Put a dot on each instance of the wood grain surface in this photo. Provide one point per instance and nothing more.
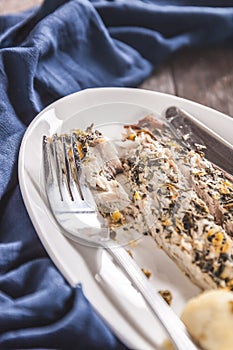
(12, 6)
(203, 75)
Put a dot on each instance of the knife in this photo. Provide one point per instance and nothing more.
(195, 135)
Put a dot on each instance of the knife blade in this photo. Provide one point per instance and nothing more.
(196, 135)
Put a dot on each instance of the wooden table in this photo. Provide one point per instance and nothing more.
(204, 76)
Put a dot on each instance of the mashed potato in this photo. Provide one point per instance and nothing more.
(209, 319)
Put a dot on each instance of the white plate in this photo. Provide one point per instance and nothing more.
(103, 283)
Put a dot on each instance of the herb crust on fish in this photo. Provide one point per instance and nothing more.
(148, 183)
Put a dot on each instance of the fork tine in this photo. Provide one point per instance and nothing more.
(72, 172)
(49, 178)
(58, 164)
(77, 163)
(50, 171)
(65, 142)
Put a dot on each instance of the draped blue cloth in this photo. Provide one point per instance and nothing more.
(46, 53)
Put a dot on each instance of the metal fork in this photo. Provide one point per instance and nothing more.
(66, 190)
(74, 209)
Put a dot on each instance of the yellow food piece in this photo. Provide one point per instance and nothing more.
(80, 152)
(223, 189)
(209, 319)
(225, 247)
(227, 183)
(166, 222)
(132, 137)
(218, 238)
(210, 232)
(137, 196)
(116, 216)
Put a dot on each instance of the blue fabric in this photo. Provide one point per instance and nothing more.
(46, 53)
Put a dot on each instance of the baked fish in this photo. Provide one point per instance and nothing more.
(184, 226)
(148, 183)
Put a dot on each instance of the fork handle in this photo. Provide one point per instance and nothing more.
(169, 320)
